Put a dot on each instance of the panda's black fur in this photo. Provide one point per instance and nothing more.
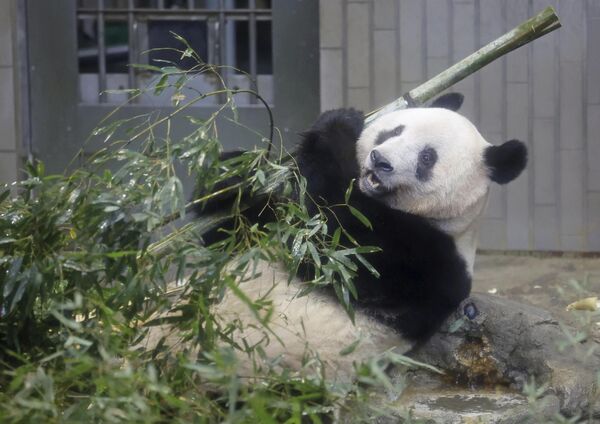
(423, 278)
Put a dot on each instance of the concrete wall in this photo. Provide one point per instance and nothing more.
(8, 101)
(9, 133)
(547, 94)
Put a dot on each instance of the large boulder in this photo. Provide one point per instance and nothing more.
(491, 342)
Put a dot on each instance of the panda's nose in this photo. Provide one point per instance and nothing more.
(379, 162)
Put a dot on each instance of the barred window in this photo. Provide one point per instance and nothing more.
(113, 33)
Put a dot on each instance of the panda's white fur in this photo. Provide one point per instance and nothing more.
(305, 332)
(459, 179)
(455, 196)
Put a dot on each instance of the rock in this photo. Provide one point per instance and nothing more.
(491, 341)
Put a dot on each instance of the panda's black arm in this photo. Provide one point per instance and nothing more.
(252, 205)
(423, 318)
(423, 278)
(443, 293)
(440, 293)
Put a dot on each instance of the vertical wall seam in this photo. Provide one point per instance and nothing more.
(424, 39)
(344, 52)
(584, 129)
(25, 147)
(399, 48)
(531, 114)
(372, 56)
(557, 139)
(477, 76)
(503, 128)
(450, 33)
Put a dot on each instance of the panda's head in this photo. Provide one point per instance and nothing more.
(433, 162)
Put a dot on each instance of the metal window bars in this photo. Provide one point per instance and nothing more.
(221, 40)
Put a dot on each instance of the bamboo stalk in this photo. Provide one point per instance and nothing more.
(541, 24)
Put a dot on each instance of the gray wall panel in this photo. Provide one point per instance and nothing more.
(546, 94)
(593, 147)
(384, 74)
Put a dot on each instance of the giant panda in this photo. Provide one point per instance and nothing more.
(422, 177)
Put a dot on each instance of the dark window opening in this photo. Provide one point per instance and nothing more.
(160, 39)
(233, 34)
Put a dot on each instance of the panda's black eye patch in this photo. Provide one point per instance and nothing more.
(385, 135)
(427, 158)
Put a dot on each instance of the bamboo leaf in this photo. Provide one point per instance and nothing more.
(161, 85)
(350, 348)
(359, 215)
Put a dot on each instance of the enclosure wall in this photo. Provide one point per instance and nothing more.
(8, 87)
(547, 94)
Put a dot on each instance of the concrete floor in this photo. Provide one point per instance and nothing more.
(549, 282)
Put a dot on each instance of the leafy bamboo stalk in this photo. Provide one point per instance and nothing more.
(541, 24)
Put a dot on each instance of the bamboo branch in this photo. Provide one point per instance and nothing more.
(543, 23)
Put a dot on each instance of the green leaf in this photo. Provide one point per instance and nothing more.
(209, 372)
(145, 67)
(345, 296)
(335, 240)
(180, 83)
(297, 249)
(71, 324)
(161, 84)
(260, 176)
(7, 240)
(363, 219)
(456, 325)
(351, 288)
(121, 254)
(350, 348)
(399, 359)
(11, 277)
(348, 192)
(4, 195)
(367, 265)
(314, 254)
(74, 341)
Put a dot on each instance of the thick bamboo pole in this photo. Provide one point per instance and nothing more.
(541, 24)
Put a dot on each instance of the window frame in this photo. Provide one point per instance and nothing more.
(216, 19)
(60, 125)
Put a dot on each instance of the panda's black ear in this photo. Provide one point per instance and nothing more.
(451, 101)
(505, 162)
(331, 144)
(336, 128)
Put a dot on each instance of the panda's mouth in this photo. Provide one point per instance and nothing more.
(373, 184)
(374, 180)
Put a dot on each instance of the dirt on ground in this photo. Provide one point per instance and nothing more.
(548, 281)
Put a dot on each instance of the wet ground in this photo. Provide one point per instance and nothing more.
(549, 282)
